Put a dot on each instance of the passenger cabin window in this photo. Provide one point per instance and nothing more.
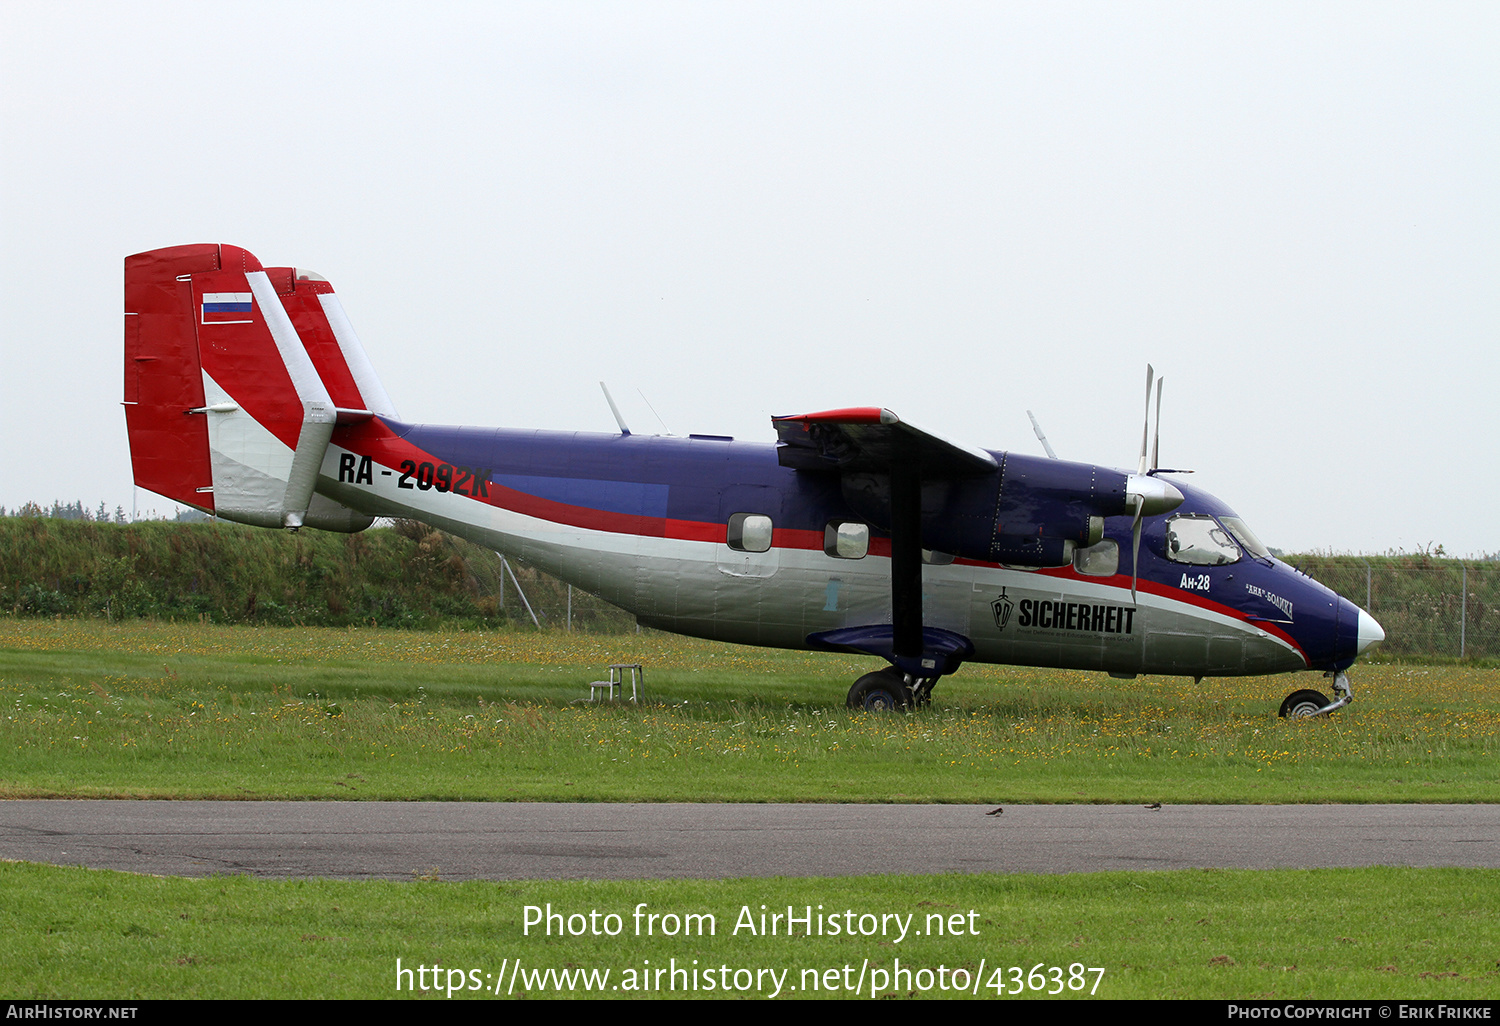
(1101, 560)
(1199, 541)
(749, 532)
(846, 539)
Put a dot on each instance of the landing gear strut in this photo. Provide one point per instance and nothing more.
(921, 689)
(1300, 705)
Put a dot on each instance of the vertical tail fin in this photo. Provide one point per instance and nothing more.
(330, 341)
(226, 408)
(163, 378)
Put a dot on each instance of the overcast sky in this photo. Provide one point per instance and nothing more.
(957, 211)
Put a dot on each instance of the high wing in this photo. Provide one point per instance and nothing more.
(931, 493)
(869, 438)
(872, 442)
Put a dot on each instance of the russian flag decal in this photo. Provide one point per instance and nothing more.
(227, 307)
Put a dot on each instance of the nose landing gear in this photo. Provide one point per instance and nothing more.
(1301, 705)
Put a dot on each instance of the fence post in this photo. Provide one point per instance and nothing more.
(504, 566)
(1463, 609)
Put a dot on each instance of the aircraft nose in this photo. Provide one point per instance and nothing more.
(1370, 632)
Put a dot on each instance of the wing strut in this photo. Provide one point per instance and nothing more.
(906, 556)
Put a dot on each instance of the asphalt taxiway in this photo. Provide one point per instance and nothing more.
(506, 841)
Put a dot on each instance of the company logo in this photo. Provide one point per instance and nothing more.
(1077, 616)
(1002, 608)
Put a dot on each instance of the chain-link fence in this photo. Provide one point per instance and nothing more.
(513, 589)
(1448, 608)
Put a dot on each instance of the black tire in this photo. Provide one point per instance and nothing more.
(882, 691)
(1301, 704)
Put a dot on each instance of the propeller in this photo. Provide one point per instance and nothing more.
(1146, 492)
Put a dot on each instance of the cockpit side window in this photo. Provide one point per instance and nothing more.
(1246, 537)
(1199, 541)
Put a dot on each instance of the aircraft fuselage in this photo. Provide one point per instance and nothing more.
(642, 522)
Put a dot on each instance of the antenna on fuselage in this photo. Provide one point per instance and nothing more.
(614, 409)
(1041, 437)
(654, 413)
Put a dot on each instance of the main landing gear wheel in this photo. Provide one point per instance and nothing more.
(882, 691)
(1299, 705)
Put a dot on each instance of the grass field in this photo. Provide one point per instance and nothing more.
(142, 709)
(1373, 933)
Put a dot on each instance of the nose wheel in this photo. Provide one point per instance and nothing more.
(1300, 705)
(1304, 704)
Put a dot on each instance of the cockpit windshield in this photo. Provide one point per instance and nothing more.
(1246, 537)
(1199, 541)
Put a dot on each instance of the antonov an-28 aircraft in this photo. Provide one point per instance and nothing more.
(249, 396)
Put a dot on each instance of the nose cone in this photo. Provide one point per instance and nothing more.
(1370, 632)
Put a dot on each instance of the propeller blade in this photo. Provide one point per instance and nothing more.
(1156, 440)
(1146, 426)
(1135, 543)
(1041, 437)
